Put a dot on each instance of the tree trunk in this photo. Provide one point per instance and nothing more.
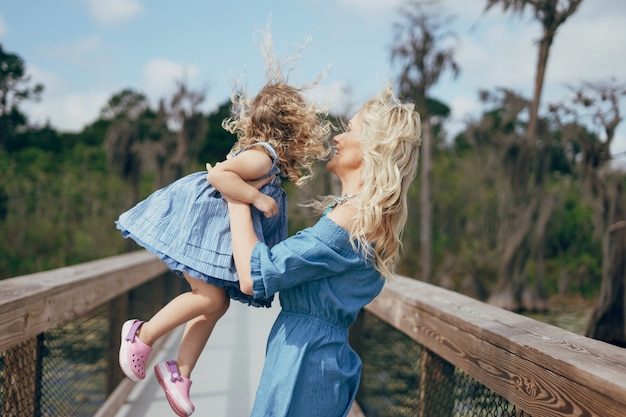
(511, 275)
(535, 298)
(608, 319)
(426, 202)
(542, 64)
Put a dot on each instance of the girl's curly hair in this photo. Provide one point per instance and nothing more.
(282, 117)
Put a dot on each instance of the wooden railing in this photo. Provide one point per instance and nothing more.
(541, 369)
(31, 305)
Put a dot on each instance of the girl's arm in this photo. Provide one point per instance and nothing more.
(243, 240)
(303, 257)
(229, 178)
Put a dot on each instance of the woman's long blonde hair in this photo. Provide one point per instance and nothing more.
(390, 143)
(279, 115)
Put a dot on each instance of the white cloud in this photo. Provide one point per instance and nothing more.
(463, 106)
(69, 112)
(4, 28)
(111, 12)
(53, 84)
(369, 6)
(618, 146)
(498, 58)
(336, 97)
(161, 76)
(589, 49)
(64, 109)
(79, 52)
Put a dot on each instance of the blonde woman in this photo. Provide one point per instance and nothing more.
(325, 274)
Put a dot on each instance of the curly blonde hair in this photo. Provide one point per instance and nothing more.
(390, 143)
(279, 115)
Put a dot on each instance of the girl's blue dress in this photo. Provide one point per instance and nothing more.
(186, 224)
(310, 369)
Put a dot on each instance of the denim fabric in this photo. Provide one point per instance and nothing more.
(187, 225)
(310, 370)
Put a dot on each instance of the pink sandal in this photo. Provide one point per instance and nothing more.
(176, 387)
(133, 352)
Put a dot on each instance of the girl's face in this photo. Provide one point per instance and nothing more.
(347, 153)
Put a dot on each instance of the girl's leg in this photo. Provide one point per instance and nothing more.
(206, 302)
(196, 334)
(173, 376)
(203, 299)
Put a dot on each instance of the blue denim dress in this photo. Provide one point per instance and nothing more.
(310, 369)
(187, 225)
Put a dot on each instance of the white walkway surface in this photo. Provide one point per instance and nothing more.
(227, 374)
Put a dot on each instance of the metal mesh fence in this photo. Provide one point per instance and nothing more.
(74, 366)
(70, 369)
(402, 378)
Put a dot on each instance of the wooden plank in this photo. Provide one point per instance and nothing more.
(32, 304)
(544, 370)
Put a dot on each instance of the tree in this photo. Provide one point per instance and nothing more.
(603, 188)
(218, 141)
(527, 162)
(122, 142)
(551, 14)
(189, 127)
(419, 47)
(13, 90)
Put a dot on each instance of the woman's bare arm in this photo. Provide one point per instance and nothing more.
(243, 240)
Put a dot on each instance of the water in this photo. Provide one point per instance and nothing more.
(567, 312)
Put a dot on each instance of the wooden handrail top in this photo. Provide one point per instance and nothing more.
(542, 368)
(33, 303)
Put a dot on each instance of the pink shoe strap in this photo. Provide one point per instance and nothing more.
(132, 333)
(174, 371)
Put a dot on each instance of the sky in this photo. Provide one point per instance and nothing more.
(84, 51)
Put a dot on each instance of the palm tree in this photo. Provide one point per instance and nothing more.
(528, 166)
(419, 47)
(551, 14)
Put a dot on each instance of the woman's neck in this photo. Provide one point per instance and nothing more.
(351, 186)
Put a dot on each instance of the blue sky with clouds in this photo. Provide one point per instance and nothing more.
(84, 51)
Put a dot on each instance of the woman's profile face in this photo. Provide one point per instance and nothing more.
(347, 152)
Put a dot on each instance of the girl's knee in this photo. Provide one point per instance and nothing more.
(224, 307)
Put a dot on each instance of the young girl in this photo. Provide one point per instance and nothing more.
(187, 225)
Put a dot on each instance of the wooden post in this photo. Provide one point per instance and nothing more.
(22, 379)
(118, 314)
(436, 386)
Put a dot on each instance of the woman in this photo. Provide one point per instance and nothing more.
(328, 272)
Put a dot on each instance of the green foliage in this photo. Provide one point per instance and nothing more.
(574, 254)
(59, 209)
(14, 89)
(218, 141)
